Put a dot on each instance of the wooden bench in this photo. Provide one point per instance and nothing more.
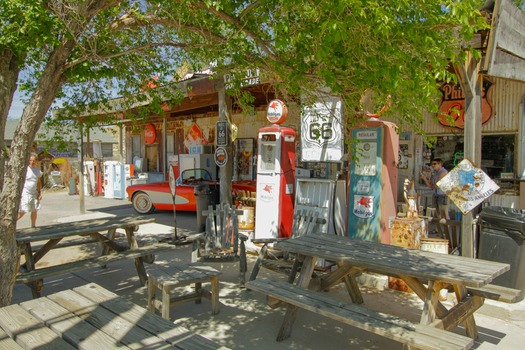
(388, 326)
(8, 343)
(167, 278)
(25, 276)
(498, 293)
(91, 317)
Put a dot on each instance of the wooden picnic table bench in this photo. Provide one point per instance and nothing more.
(390, 326)
(102, 231)
(91, 317)
(424, 272)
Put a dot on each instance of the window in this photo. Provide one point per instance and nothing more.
(107, 150)
(135, 146)
(497, 153)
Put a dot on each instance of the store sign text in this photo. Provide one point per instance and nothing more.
(452, 106)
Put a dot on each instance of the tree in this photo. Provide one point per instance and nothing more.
(73, 50)
(399, 51)
(82, 51)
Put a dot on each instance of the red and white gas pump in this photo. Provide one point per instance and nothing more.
(275, 176)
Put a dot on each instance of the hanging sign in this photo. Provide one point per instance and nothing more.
(277, 112)
(150, 134)
(321, 130)
(194, 137)
(221, 157)
(467, 186)
(222, 133)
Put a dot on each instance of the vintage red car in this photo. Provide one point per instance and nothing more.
(157, 195)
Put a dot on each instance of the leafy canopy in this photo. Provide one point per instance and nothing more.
(399, 50)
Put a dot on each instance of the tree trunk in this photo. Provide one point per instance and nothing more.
(9, 71)
(32, 117)
(8, 250)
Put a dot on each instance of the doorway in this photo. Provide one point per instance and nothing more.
(152, 158)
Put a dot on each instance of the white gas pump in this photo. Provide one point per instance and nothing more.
(275, 177)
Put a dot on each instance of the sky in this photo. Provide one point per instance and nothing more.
(16, 107)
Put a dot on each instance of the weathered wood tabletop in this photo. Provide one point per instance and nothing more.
(389, 259)
(84, 227)
(91, 317)
(425, 272)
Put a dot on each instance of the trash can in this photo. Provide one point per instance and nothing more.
(56, 178)
(502, 234)
(204, 195)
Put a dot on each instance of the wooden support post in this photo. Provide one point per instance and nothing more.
(470, 322)
(431, 301)
(470, 81)
(258, 262)
(291, 313)
(214, 295)
(242, 262)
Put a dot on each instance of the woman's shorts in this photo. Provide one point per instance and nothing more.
(440, 200)
(29, 203)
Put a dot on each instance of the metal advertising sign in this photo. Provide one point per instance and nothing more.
(321, 130)
(467, 186)
(452, 106)
(150, 134)
(221, 157)
(194, 137)
(277, 112)
(222, 133)
(363, 206)
(172, 181)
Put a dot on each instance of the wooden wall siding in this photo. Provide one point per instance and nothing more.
(505, 56)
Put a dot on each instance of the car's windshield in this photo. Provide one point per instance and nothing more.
(197, 174)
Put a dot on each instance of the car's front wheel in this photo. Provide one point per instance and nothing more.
(142, 203)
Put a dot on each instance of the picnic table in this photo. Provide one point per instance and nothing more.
(91, 317)
(81, 233)
(425, 272)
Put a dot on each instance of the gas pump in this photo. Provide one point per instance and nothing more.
(372, 190)
(275, 177)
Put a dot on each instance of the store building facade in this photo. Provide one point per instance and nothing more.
(159, 141)
(502, 140)
(190, 128)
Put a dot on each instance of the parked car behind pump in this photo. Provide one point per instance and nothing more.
(157, 195)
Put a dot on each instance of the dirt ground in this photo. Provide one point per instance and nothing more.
(245, 322)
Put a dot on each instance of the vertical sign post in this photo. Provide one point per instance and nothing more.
(173, 189)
